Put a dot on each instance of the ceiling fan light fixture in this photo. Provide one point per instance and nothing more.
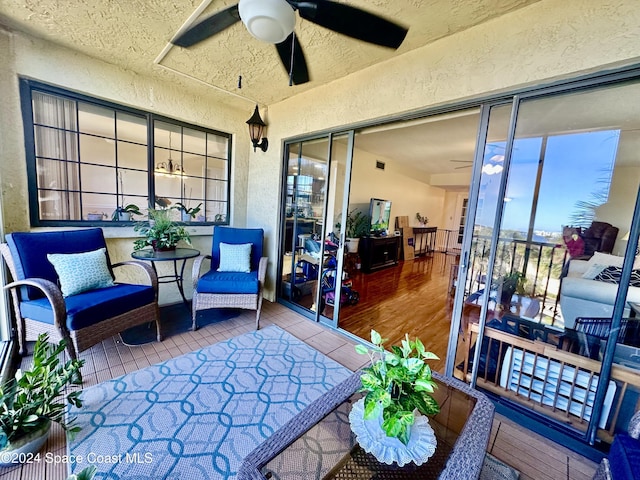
(267, 20)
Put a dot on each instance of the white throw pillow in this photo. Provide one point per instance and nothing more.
(235, 257)
(79, 272)
(600, 261)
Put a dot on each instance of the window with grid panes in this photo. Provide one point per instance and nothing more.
(87, 159)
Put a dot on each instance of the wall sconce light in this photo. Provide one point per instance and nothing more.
(256, 128)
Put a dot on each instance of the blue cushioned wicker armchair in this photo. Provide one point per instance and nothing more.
(237, 273)
(64, 286)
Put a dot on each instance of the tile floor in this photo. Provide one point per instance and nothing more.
(535, 457)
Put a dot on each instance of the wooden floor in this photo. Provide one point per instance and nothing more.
(535, 457)
(409, 298)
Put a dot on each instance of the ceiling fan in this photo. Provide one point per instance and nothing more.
(273, 21)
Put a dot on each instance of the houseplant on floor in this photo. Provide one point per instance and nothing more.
(161, 232)
(357, 225)
(33, 399)
(398, 386)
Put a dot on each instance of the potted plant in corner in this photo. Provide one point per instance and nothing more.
(160, 232)
(188, 213)
(390, 421)
(33, 399)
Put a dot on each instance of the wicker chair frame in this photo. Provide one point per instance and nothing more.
(76, 340)
(204, 301)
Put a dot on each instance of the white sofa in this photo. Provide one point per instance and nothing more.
(582, 297)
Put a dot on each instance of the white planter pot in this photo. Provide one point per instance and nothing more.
(352, 245)
(373, 439)
(124, 216)
(186, 217)
(15, 452)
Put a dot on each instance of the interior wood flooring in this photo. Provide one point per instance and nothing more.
(535, 457)
(411, 297)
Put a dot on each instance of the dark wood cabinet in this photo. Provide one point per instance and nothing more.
(379, 252)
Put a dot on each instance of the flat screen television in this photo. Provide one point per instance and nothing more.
(380, 214)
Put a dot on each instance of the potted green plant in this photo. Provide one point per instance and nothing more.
(34, 398)
(86, 473)
(398, 387)
(160, 232)
(188, 213)
(422, 220)
(357, 225)
(509, 284)
(124, 214)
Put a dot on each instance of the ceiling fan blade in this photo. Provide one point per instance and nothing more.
(351, 21)
(208, 27)
(300, 74)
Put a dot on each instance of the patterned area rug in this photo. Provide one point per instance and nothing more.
(198, 415)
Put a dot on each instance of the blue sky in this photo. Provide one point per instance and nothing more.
(576, 166)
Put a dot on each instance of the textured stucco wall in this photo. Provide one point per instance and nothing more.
(25, 56)
(548, 41)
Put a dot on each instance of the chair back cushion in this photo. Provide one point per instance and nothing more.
(29, 251)
(230, 235)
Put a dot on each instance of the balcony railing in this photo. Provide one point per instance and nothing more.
(541, 264)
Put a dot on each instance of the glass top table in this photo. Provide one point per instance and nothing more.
(318, 444)
(175, 256)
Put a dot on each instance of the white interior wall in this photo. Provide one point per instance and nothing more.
(408, 195)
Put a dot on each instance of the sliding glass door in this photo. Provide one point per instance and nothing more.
(545, 297)
(315, 199)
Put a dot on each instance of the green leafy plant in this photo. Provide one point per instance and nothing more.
(132, 209)
(509, 284)
(161, 232)
(86, 473)
(357, 224)
(192, 212)
(36, 396)
(398, 382)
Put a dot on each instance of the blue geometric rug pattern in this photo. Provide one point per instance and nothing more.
(198, 415)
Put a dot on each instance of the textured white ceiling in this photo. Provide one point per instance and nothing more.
(134, 33)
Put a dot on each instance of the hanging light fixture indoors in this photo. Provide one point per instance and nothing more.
(168, 168)
(256, 128)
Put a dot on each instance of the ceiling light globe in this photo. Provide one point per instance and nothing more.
(268, 20)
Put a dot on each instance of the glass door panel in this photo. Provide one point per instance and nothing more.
(305, 198)
(335, 288)
(471, 285)
(553, 266)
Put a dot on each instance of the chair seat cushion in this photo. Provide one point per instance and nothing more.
(229, 282)
(88, 308)
(624, 458)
